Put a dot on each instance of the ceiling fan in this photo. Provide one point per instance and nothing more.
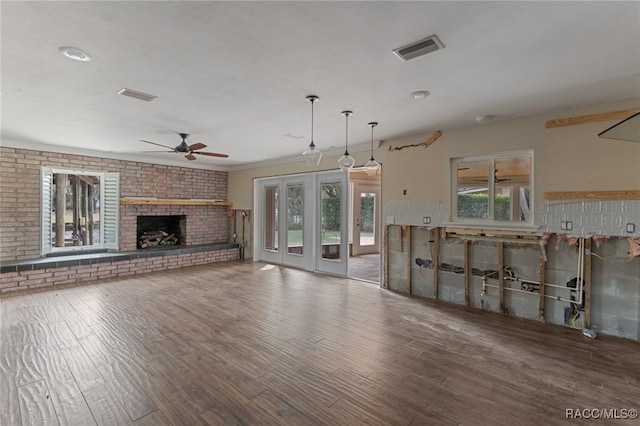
(188, 150)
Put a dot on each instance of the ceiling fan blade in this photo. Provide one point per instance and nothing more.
(190, 157)
(197, 146)
(153, 143)
(159, 151)
(211, 154)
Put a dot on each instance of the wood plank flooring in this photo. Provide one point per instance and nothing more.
(255, 344)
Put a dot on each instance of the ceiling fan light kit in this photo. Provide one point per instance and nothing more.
(346, 162)
(312, 155)
(188, 150)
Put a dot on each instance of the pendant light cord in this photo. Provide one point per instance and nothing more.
(346, 136)
(372, 126)
(312, 144)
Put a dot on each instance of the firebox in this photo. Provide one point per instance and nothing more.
(161, 231)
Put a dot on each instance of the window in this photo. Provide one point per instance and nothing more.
(495, 189)
(79, 210)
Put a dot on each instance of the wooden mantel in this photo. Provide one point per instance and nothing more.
(175, 202)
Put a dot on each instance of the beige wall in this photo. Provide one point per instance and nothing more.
(569, 158)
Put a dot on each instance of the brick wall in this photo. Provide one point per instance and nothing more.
(19, 281)
(20, 197)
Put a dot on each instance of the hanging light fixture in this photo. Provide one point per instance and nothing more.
(312, 155)
(346, 162)
(372, 167)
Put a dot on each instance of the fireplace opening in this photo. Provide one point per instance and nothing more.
(161, 231)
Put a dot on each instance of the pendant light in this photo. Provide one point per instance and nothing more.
(346, 162)
(312, 155)
(372, 167)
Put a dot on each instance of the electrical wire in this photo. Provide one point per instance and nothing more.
(629, 259)
(575, 317)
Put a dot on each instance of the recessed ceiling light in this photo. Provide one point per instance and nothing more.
(420, 94)
(485, 119)
(74, 53)
(292, 135)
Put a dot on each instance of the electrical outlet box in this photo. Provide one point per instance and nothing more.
(569, 225)
(631, 228)
(563, 225)
(391, 220)
(426, 220)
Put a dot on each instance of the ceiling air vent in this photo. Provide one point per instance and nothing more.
(419, 48)
(137, 95)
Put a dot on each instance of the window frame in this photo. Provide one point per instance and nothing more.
(490, 222)
(109, 209)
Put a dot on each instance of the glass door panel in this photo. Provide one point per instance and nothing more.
(366, 212)
(367, 219)
(330, 217)
(332, 227)
(271, 218)
(295, 219)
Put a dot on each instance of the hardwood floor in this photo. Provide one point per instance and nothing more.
(254, 344)
(365, 267)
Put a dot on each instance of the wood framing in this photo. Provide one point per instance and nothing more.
(467, 272)
(385, 247)
(435, 258)
(542, 277)
(409, 259)
(501, 275)
(431, 139)
(593, 195)
(587, 283)
(592, 118)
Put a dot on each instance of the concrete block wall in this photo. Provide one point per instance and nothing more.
(20, 196)
(615, 291)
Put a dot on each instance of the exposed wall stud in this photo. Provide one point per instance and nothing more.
(501, 276)
(542, 279)
(409, 258)
(466, 272)
(385, 247)
(436, 260)
(587, 283)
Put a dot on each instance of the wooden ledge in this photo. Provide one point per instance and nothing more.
(593, 195)
(605, 116)
(174, 202)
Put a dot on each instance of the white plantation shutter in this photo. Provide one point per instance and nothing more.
(46, 182)
(111, 204)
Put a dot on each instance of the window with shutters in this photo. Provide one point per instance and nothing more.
(79, 210)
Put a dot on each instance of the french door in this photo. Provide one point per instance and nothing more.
(366, 223)
(285, 230)
(332, 224)
(301, 221)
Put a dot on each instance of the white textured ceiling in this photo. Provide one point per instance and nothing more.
(235, 74)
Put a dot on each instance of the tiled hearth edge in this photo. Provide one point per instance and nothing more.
(75, 269)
